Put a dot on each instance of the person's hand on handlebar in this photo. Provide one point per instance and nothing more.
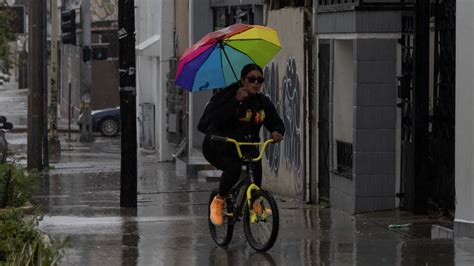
(277, 137)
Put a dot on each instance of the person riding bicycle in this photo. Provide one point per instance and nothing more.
(238, 112)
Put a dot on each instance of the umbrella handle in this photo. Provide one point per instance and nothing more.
(228, 60)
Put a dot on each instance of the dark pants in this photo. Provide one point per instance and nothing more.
(224, 157)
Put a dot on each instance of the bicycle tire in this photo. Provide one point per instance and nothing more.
(272, 219)
(221, 234)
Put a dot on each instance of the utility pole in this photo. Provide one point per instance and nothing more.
(36, 82)
(54, 143)
(128, 163)
(86, 78)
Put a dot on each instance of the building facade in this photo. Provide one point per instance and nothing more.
(365, 88)
(104, 55)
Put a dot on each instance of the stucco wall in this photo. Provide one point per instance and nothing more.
(464, 157)
(343, 91)
(201, 24)
(182, 26)
(147, 19)
(153, 19)
(284, 83)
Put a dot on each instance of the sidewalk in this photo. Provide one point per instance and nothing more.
(81, 196)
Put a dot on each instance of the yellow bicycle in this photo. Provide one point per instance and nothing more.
(246, 201)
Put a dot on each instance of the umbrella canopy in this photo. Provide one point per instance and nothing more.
(216, 60)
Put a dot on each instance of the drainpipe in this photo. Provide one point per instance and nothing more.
(314, 112)
(188, 115)
(308, 65)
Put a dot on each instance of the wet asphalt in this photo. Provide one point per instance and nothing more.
(80, 197)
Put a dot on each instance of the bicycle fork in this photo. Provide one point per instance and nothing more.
(253, 215)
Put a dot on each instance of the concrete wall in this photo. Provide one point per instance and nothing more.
(373, 35)
(147, 25)
(201, 22)
(147, 19)
(343, 91)
(284, 83)
(166, 53)
(464, 155)
(342, 190)
(153, 19)
(359, 22)
(375, 114)
(182, 26)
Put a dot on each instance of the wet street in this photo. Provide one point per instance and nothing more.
(169, 227)
(80, 196)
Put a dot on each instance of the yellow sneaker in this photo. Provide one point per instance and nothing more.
(217, 207)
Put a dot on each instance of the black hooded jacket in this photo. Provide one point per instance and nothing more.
(243, 120)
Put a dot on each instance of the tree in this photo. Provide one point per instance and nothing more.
(7, 34)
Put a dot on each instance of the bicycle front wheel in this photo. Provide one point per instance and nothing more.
(221, 234)
(261, 221)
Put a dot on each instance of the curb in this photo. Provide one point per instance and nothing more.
(25, 130)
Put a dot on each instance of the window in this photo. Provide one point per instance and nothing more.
(242, 14)
(344, 158)
(221, 18)
(226, 16)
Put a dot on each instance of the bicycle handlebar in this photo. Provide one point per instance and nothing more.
(238, 144)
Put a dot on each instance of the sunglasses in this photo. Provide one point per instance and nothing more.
(252, 79)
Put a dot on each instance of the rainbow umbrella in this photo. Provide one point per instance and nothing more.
(218, 57)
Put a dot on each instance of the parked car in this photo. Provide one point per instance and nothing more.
(105, 121)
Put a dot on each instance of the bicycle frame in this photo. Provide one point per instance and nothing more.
(242, 190)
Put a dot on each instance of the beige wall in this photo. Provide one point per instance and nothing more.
(182, 26)
(284, 163)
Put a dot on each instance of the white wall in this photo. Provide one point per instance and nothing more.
(464, 147)
(155, 18)
(201, 23)
(343, 91)
(147, 19)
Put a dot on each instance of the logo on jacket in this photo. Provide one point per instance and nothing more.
(259, 116)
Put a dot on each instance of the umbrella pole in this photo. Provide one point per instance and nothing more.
(228, 60)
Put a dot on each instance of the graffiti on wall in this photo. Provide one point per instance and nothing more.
(292, 104)
(289, 105)
(104, 10)
(270, 89)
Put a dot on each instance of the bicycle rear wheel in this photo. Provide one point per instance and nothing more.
(261, 224)
(221, 234)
